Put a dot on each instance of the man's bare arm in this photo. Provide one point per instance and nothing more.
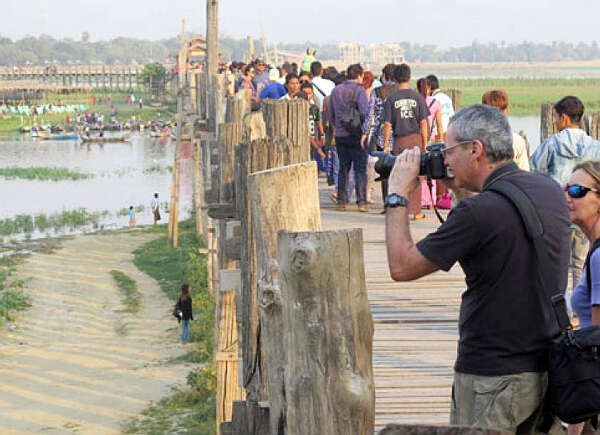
(405, 261)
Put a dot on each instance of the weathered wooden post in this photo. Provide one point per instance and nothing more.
(198, 189)
(328, 332)
(212, 59)
(282, 198)
(456, 97)
(289, 119)
(595, 125)
(547, 126)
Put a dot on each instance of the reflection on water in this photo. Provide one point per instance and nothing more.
(125, 174)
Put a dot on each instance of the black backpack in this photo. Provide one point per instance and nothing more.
(351, 119)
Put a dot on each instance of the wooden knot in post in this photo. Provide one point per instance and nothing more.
(269, 292)
(302, 255)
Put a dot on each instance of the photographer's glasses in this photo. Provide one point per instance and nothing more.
(445, 149)
(578, 191)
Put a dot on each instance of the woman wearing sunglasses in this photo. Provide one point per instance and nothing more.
(583, 198)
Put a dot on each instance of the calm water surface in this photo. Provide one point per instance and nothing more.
(124, 174)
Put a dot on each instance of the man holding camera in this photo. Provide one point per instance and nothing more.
(504, 332)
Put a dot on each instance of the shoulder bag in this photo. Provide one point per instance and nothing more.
(573, 393)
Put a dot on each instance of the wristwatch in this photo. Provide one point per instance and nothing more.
(394, 200)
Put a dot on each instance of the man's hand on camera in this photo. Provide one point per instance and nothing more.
(403, 179)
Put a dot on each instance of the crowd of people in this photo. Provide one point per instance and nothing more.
(506, 318)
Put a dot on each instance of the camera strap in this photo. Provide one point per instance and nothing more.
(433, 201)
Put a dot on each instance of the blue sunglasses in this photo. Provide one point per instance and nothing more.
(578, 191)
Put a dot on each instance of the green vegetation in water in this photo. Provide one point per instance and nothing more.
(527, 95)
(42, 174)
(158, 169)
(193, 408)
(12, 298)
(129, 288)
(41, 222)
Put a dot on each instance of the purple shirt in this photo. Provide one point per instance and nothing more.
(581, 300)
(340, 99)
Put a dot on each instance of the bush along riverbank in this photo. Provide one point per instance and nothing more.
(192, 408)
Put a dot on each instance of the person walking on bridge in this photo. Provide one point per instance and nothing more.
(347, 110)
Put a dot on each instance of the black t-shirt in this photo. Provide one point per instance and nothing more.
(405, 109)
(502, 327)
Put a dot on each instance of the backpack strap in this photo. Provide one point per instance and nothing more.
(588, 270)
(318, 89)
(535, 232)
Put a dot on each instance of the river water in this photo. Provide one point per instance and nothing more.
(123, 174)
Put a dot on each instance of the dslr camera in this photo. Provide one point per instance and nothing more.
(432, 163)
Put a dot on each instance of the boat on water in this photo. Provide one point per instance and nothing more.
(63, 136)
(184, 137)
(104, 139)
(159, 134)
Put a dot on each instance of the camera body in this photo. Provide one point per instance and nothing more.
(432, 163)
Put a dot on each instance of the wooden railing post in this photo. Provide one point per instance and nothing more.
(456, 97)
(329, 387)
(283, 198)
(547, 127)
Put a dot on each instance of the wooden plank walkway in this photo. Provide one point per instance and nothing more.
(415, 324)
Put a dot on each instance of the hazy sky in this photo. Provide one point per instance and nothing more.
(440, 22)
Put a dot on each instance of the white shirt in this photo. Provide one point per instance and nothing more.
(520, 149)
(324, 85)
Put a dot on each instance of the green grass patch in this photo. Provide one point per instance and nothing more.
(527, 95)
(186, 410)
(43, 174)
(191, 409)
(12, 299)
(128, 286)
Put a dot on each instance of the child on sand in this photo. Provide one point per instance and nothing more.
(131, 217)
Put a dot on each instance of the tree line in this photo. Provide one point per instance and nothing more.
(46, 49)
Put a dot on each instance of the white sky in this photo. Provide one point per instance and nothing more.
(440, 22)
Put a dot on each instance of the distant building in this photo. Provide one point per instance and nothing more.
(351, 52)
(382, 54)
(373, 55)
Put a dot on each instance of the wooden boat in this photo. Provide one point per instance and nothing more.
(65, 136)
(184, 137)
(159, 134)
(104, 139)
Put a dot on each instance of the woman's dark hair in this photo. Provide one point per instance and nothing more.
(570, 106)
(402, 73)
(435, 83)
(289, 77)
(388, 72)
(354, 71)
(185, 291)
(423, 86)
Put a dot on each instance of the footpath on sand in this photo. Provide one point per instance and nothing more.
(76, 362)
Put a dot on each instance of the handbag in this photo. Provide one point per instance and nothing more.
(573, 393)
(177, 313)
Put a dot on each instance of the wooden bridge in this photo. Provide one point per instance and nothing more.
(113, 77)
